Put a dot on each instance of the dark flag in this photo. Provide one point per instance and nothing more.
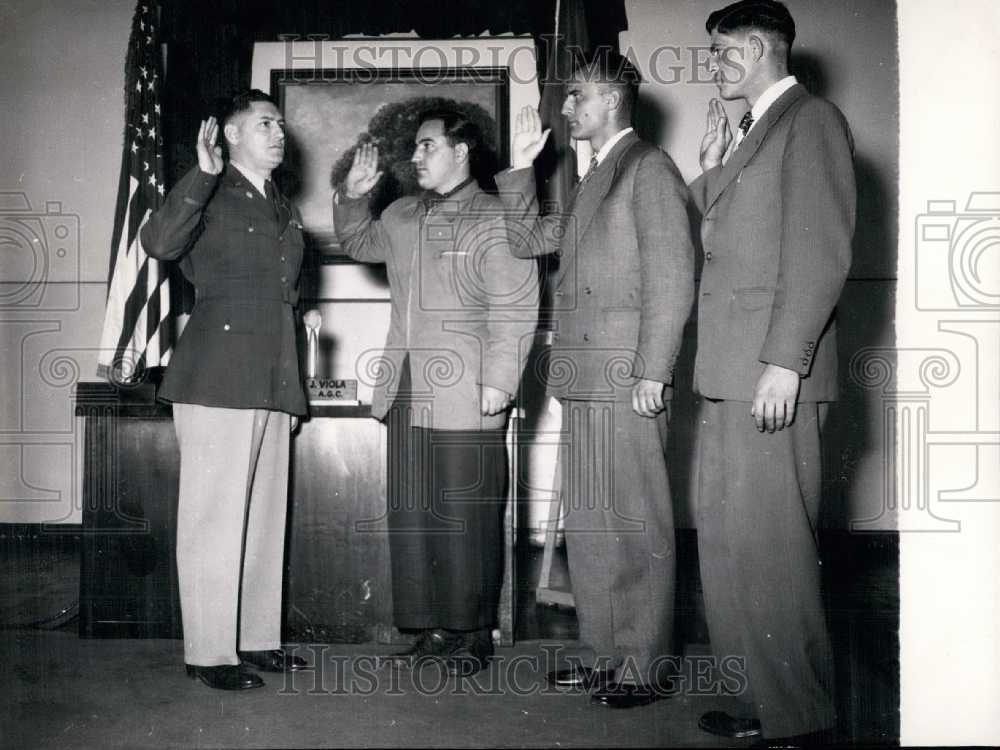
(557, 164)
(139, 330)
(555, 167)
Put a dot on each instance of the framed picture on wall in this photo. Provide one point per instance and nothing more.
(331, 91)
(330, 112)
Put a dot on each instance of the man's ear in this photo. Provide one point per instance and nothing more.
(462, 152)
(614, 98)
(756, 44)
(231, 132)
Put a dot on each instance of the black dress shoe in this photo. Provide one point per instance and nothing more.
(225, 677)
(724, 725)
(431, 645)
(580, 677)
(274, 660)
(472, 655)
(627, 695)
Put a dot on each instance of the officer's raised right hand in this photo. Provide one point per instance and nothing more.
(209, 152)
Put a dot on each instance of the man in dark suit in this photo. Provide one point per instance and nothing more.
(463, 314)
(778, 208)
(622, 293)
(236, 391)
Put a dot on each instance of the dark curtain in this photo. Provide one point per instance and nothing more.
(556, 165)
(210, 43)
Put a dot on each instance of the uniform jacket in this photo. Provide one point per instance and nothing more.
(238, 349)
(625, 283)
(777, 223)
(463, 308)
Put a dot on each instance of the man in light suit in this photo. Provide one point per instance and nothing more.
(463, 314)
(236, 391)
(778, 208)
(623, 292)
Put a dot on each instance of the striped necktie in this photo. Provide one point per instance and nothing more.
(590, 171)
(744, 127)
(745, 123)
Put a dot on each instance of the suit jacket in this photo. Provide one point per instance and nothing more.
(464, 310)
(625, 283)
(238, 349)
(778, 218)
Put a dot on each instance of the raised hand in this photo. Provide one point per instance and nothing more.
(717, 138)
(529, 138)
(209, 152)
(364, 171)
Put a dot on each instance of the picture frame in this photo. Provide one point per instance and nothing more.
(328, 111)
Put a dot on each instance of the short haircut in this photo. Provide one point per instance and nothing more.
(242, 102)
(458, 128)
(769, 16)
(604, 65)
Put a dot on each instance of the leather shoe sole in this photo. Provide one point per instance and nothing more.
(722, 724)
(224, 677)
(275, 660)
(625, 695)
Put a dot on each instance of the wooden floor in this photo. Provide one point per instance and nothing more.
(38, 643)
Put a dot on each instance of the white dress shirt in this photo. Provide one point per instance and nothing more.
(760, 107)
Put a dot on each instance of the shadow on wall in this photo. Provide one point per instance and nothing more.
(652, 122)
(855, 431)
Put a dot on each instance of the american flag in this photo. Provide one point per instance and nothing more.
(139, 330)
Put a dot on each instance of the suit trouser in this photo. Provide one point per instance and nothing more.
(230, 529)
(619, 530)
(758, 502)
(446, 529)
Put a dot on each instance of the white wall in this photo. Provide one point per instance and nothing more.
(63, 96)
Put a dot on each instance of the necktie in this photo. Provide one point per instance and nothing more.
(744, 127)
(590, 171)
(271, 194)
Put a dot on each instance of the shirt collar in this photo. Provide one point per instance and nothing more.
(432, 198)
(610, 144)
(255, 179)
(769, 97)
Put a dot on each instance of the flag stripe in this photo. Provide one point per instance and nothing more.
(138, 322)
